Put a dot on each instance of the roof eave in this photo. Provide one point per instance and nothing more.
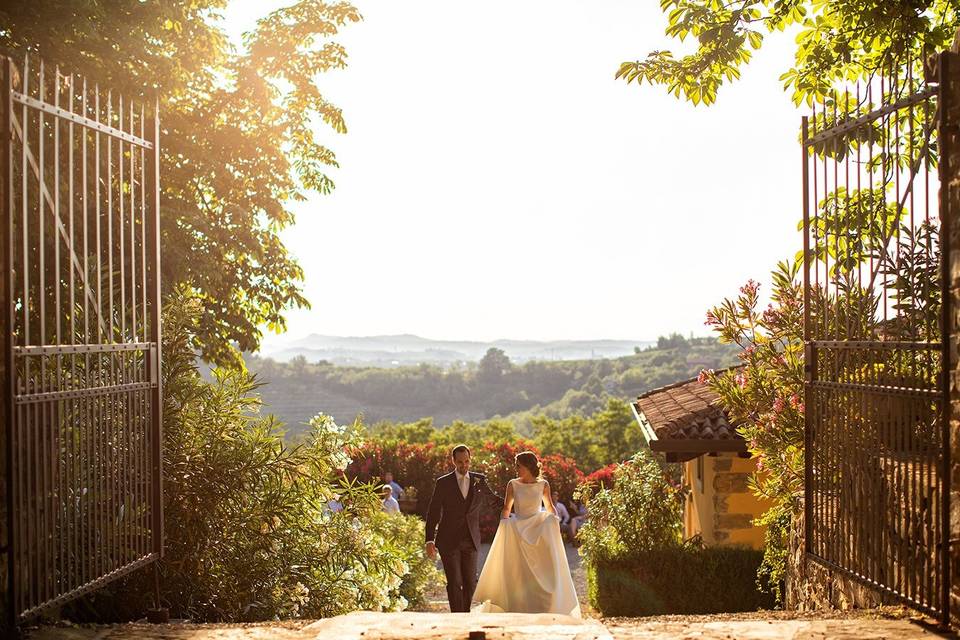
(737, 445)
(648, 433)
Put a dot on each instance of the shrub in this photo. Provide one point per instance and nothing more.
(602, 478)
(422, 572)
(636, 563)
(765, 396)
(248, 534)
(681, 579)
(641, 512)
(413, 465)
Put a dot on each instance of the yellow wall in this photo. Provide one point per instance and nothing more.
(721, 510)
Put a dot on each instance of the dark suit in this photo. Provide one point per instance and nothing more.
(453, 524)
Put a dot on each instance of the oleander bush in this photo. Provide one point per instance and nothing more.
(248, 532)
(412, 465)
(603, 477)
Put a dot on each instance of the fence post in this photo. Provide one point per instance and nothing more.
(949, 167)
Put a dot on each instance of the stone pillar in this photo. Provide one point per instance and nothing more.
(949, 140)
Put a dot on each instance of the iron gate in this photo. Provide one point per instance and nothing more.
(80, 333)
(877, 454)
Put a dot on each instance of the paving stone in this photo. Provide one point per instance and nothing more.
(774, 630)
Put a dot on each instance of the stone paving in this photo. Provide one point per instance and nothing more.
(444, 626)
(435, 623)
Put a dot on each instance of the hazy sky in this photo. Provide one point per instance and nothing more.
(497, 182)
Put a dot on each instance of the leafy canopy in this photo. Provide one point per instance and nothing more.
(837, 40)
(237, 140)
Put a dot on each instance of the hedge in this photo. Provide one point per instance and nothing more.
(681, 580)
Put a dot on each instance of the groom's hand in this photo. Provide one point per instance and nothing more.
(431, 550)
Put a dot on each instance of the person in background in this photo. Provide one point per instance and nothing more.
(390, 504)
(580, 516)
(562, 513)
(334, 505)
(396, 488)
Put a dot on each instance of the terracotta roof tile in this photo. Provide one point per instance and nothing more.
(686, 411)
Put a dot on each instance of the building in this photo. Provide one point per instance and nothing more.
(686, 423)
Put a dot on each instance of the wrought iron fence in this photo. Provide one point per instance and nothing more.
(877, 455)
(80, 334)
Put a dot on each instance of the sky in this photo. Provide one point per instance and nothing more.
(497, 182)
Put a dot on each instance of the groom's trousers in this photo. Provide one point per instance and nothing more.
(460, 567)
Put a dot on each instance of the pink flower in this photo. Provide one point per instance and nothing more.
(711, 319)
(779, 404)
(741, 379)
(795, 401)
(704, 375)
(759, 463)
(751, 288)
(769, 315)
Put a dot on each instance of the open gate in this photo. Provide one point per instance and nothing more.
(80, 337)
(877, 484)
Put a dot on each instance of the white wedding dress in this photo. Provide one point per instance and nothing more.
(526, 570)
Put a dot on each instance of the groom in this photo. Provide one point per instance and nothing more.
(455, 507)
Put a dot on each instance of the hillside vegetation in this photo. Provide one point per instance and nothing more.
(295, 391)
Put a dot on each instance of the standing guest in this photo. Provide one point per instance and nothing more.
(397, 489)
(390, 504)
(562, 512)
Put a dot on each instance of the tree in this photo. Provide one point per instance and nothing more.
(493, 365)
(610, 434)
(237, 139)
(838, 40)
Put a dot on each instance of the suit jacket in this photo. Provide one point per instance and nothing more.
(451, 517)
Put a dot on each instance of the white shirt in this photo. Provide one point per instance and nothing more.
(464, 482)
(390, 505)
(562, 512)
(397, 489)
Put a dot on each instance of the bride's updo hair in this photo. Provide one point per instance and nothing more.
(529, 460)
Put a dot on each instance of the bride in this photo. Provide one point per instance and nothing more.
(526, 570)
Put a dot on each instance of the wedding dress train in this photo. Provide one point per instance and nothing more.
(526, 570)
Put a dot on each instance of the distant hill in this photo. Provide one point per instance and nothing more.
(406, 349)
(299, 389)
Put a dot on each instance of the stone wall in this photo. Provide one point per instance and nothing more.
(723, 513)
(811, 586)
